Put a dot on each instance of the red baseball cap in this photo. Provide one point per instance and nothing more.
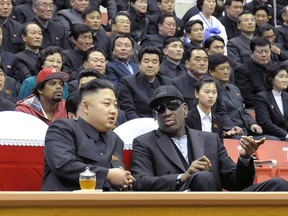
(51, 73)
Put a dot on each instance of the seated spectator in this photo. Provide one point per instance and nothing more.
(282, 30)
(176, 158)
(271, 106)
(27, 59)
(93, 60)
(219, 69)
(121, 25)
(201, 117)
(24, 12)
(261, 14)
(250, 76)
(7, 59)
(81, 36)
(212, 26)
(47, 101)
(278, 52)
(165, 7)
(194, 30)
(121, 65)
(166, 28)
(110, 5)
(71, 146)
(10, 28)
(139, 20)
(238, 48)
(172, 66)
(72, 105)
(71, 16)
(92, 18)
(9, 88)
(123, 5)
(135, 91)
(51, 57)
(43, 10)
(233, 8)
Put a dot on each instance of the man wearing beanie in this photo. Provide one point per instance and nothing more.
(47, 101)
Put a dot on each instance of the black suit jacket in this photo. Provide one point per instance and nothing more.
(172, 70)
(156, 164)
(71, 146)
(230, 26)
(9, 63)
(268, 114)
(193, 121)
(135, 92)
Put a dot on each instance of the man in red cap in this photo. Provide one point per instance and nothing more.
(47, 101)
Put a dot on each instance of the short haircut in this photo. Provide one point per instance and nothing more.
(259, 41)
(200, 3)
(120, 13)
(78, 29)
(47, 52)
(217, 59)
(283, 10)
(169, 40)
(162, 18)
(91, 50)
(72, 102)
(264, 28)
(89, 72)
(122, 36)
(203, 81)
(189, 24)
(272, 71)
(243, 13)
(150, 50)
(90, 10)
(229, 2)
(2, 68)
(95, 85)
(24, 28)
(261, 7)
(188, 53)
(210, 40)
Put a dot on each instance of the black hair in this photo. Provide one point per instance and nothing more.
(94, 86)
(78, 29)
(150, 50)
(229, 2)
(203, 81)
(211, 39)
(89, 10)
(189, 24)
(217, 59)
(162, 18)
(272, 71)
(200, 3)
(243, 13)
(89, 72)
(120, 13)
(188, 53)
(264, 28)
(122, 36)
(169, 40)
(91, 50)
(72, 102)
(259, 41)
(24, 28)
(261, 7)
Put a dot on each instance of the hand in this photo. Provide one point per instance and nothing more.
(120, 178)
(249, 145)
(201, 164)
(256, 129)
(233, 131)
(275, 49)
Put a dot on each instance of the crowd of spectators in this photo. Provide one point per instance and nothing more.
(145, 45)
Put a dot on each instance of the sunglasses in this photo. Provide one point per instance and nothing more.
(171, 105)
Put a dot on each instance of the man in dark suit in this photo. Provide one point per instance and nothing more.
(11, 28)
(250, 76)
(238, 48)
(71, 146)
(233, 8)
(176, 158)
(172, 66)
(43, 10)
(121, 65)
(135, 91)
(282, 30)
(166, 28)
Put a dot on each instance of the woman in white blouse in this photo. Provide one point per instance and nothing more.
(271, 106)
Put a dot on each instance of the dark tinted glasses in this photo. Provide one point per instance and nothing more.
(171, 105)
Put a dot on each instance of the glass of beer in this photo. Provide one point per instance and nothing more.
(87, 180)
